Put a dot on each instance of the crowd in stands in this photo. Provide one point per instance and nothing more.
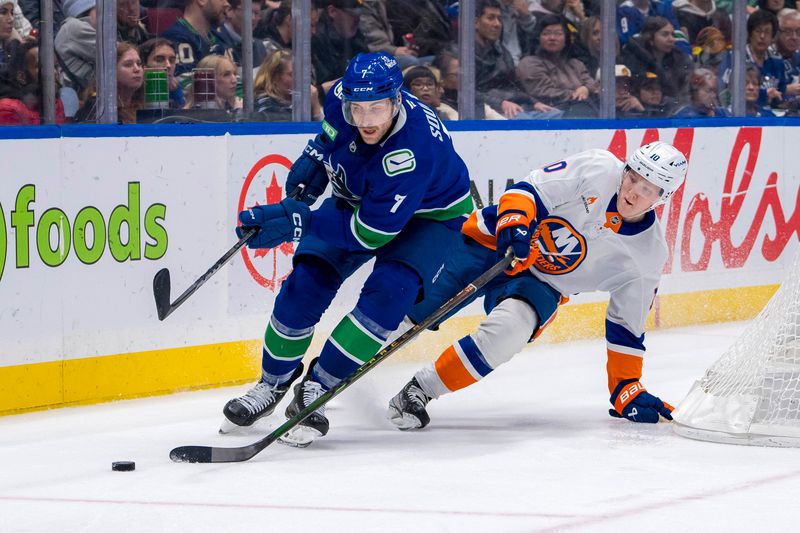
(534, 59)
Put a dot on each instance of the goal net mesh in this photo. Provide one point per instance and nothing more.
(751, 394)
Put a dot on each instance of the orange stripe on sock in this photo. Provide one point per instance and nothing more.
(452, 371)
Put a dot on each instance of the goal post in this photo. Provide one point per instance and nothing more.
(751, 394)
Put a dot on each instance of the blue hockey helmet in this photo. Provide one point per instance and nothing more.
(370, 77)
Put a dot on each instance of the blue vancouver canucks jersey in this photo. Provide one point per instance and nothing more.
(413, 172)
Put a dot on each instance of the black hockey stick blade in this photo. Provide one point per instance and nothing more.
(161, 289)
(213, 454)
(161, 282)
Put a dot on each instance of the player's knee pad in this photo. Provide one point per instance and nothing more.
(306, 293)
(506, 331)
(389, 293)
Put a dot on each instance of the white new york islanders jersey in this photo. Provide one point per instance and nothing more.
(584, 245)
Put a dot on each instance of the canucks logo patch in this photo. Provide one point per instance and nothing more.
(399, 161)
(561, 248)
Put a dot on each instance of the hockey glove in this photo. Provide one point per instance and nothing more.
(513, 230)
(632, 401)
(309, 171)
(276, 223)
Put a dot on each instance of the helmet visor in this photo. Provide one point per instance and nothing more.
(371, 113)
(641, 186)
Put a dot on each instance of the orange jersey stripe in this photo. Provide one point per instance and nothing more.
(473, 231)
(452, 371)
(518, 202)
(622, 366)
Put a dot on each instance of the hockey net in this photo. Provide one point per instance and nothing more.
(751, 394)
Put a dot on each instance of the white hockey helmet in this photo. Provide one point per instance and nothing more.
(661, 164)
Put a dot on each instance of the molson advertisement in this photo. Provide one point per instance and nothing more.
(85, 223)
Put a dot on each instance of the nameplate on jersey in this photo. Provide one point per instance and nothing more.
(399, 161)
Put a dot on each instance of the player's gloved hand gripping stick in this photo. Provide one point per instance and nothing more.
(213, 454)
(161, 281)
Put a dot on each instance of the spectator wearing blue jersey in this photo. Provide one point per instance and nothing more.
(400, 194)
(752, 86)
(195, 35)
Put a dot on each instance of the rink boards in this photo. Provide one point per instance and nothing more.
(88, 216)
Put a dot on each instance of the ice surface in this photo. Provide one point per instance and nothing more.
(529, 449)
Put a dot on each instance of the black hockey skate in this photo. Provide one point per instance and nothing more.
(314, 425)
(257, 402)
(407, 409)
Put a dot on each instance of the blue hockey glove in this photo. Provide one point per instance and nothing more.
(513, 230)
(309, 171)
(632, 401)
(276, 223)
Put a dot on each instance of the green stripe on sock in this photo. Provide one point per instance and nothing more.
(354, 340)
(280, 346)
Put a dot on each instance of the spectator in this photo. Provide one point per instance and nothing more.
(424, 83)
(6, 33)
(704, 101)
(448, 65)
(694, 15)
(129, 22)
(225, 79)
(787, 47)
(195, 35)
(631, 15)
(627, 105)
(130, 93)
(20, 101)
(31, 9)
(653, 50)
(276, 28)
(425, 20)
(762, 27)
(160, 53)
(553, 78)
(775, 6)
(374, 24)
(709, 50)
(518, 28)
(230, 32)
(75, 44)
(752, 87)
(336, 41)
(495, 77)
(273, 89)
(588, 47)
(648, 90)
(571, 10)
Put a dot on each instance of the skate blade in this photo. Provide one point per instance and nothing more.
(299, 436)
(403, 421)
(227, 427)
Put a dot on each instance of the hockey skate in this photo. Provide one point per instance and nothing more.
(407, 409)
(257, 402)
(314, 425)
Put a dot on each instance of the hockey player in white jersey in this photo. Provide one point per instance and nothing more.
(582, 224)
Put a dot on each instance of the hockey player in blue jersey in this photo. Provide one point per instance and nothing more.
(400, 194)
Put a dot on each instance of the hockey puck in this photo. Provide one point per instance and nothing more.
(123, 466)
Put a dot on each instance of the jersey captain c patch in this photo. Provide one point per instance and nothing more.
(561, 247)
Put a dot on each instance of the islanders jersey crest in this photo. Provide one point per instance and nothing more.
(561, 248)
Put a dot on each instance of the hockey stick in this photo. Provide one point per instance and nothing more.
(213, 454)
(161, 281)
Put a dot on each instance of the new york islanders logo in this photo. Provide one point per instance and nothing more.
(561, 248)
